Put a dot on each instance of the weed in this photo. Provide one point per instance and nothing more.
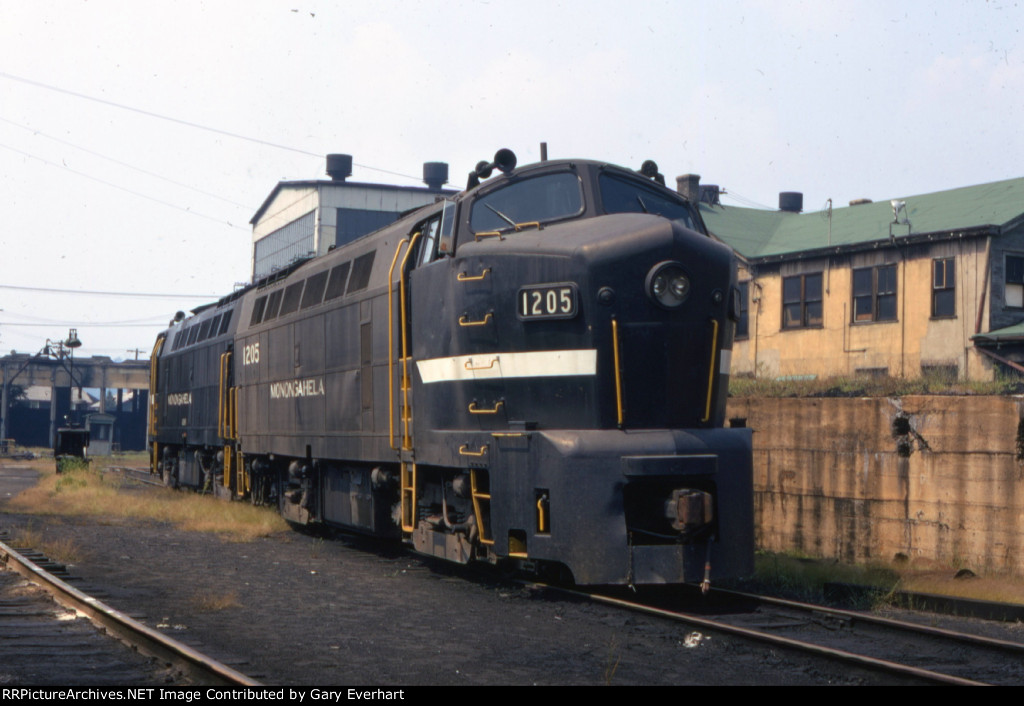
(612, 661)
(86, 492)
(71, 464)
(869, 386)
(64, 549)
(212, 603)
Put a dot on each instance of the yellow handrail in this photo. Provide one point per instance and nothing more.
(391, 345)
(468, 365)
(711, 371)
(464, 320)
(225, 480)
(406, 384)
(473, 408)
(153, 368)
(464, 451)
(618, 372)
(477, 497)
(408, 482)
(463, 277)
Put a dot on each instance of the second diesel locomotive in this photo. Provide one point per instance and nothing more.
(534, 370)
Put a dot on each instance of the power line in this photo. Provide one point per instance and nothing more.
(188, 123)
(124, 164)
(150, 295)
(86, 325)
(41, 320)
(121, 188)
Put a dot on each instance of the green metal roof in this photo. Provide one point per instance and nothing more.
(1009, 334)
(756, 233)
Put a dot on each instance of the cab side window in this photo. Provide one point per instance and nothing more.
(427, 244)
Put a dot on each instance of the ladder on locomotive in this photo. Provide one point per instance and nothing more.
(407, 466)
(480, 492)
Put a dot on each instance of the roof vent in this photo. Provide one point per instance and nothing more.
(435, 175)
(709, 194)
(339, 166)
(791, 201)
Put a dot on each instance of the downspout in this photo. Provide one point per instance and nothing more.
(981, 308)
(984, 286)
(757, 317)
(903, 315)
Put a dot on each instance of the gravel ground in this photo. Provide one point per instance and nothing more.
(295, 609)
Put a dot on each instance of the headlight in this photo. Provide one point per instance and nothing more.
(668, 285)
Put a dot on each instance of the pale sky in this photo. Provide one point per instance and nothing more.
(838, 100)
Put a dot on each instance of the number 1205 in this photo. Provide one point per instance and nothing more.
(547, 302)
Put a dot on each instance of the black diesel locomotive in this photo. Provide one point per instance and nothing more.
(534, 370)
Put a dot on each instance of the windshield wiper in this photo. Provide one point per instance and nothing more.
(501, 215)
(642, 204)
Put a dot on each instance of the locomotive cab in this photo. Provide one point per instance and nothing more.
(577, 361)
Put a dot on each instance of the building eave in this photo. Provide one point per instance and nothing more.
(884, 244)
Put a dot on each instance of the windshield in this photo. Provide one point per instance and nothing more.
(624, 195)
(543, 198)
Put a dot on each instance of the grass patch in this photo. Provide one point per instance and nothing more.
(85, 492)
(868, 386)
(216, 602)
(1001, 589)
(802, 578)
(64, 549)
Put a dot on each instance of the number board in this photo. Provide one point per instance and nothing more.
(547, 301)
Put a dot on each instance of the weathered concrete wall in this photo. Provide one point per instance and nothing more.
(932, 478)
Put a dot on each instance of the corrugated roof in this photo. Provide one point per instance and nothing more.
(1004, 335)
(757, 233)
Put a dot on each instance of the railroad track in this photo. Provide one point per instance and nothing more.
(910, 651)
(899, 650)
(186, 665)
(140, 475)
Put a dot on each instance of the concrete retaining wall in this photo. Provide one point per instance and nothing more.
(929, 478)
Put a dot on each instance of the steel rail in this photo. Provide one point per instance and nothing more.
(864, 661)
(967, 638)
(145, 639)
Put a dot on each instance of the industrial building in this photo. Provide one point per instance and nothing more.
(42, 392)
(301, 219)
(932, 283)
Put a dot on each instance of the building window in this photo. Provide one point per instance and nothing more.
(743, 322)
(944, 288)
(1015, 281)
(874, 293)
(284, 246)
(801, 301)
